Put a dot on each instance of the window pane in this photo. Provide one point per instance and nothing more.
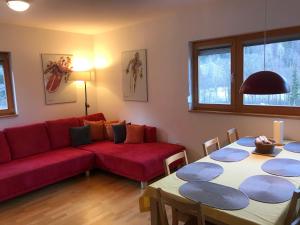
(3, 97)
(282, 58)
(214, 76)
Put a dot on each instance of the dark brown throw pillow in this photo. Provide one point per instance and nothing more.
(80, 135)
(119, 133)
(108, 131)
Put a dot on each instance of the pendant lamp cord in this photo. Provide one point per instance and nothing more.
(265, 33)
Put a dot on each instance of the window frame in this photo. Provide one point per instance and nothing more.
(237, 63)
(210, 44)
(5, 61)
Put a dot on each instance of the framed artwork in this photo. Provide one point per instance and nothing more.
(56, 71)
(134, 68)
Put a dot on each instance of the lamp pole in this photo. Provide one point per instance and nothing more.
(86, 103)
(82, 76)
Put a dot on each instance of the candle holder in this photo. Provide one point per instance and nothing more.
(278, 132)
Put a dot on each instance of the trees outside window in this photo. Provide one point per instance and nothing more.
(7, 105)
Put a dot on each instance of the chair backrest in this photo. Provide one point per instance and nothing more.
(232, 135)
(209, 144)
(174, 158)
(293, 215)
(178, 204)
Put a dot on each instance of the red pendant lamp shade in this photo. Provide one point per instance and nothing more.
(264, 83)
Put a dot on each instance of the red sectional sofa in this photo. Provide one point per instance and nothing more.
(140, 162)
(40, 154)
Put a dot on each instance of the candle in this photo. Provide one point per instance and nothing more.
(278, 131)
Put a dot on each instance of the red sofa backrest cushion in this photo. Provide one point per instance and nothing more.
(27, 140)
(92, 117)
(58, 131)
(4, 149)
(150, 134)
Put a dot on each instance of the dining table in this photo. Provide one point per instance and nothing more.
(234, 174)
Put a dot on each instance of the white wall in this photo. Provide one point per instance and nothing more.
(26, 46)
(166, 41)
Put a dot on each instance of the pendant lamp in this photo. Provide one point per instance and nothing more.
(265, 82)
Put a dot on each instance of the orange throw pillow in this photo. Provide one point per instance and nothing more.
(96, 129)
(109, 133)
(134, 134)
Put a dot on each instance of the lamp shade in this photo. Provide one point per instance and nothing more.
(81, 76)
(264, 83)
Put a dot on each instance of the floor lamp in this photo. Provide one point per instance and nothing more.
(82, 76)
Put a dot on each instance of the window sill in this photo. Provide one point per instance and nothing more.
(9, 116)
(243, 114)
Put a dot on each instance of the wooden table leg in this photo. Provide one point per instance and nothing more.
(154, 210)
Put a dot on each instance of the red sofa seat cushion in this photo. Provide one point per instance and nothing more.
(23, 175)
(4, 149)
(27, 140)
(58, 131)
(92, 117)
(141, 162)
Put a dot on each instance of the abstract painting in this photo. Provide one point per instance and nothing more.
(134, 67)
(56, 71)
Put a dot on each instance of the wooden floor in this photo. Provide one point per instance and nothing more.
(101, 199)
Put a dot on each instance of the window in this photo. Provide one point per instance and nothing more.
(281, 57)
(214, 76)
(7, 106)
(3, 96)
(220, 66)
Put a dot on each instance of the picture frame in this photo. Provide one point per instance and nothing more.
(134, 71)
(57, 86)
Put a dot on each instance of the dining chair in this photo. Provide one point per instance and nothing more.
(210, 144)
(293, 215)
(193, 211)
(174, 158)
(232, 135)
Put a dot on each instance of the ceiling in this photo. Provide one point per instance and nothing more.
(91, 16)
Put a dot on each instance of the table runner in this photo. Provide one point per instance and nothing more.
(274, 153)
